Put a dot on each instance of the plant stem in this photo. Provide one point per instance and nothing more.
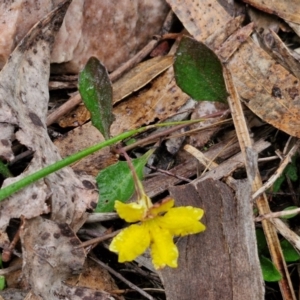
(18, 185)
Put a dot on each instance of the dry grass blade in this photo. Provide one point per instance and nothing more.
(255, 181)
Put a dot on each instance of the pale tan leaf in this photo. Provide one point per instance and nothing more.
(24, 99)
(200, 19)
(287, 10)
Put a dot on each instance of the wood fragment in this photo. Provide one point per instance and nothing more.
(250, 157)
(221, 262)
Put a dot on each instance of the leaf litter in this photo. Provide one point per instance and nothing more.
(268, 89)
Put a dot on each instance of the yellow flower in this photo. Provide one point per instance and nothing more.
(159, 223)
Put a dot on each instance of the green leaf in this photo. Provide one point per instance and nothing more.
(289, 252)
(96, 91)
(261, 241)
(291, 215)
(4, 170)
(116, 182)
(269, 271)
(277, 184)
(2, 282)
(198, 71)
(291, 170)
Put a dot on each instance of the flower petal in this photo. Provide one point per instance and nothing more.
(131, 242)
(161, 207)
(131, 212)
(163, 250)
(182, 220)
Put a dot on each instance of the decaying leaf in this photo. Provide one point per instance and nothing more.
(51, 255)
(24, 99)
(113, 31)
(200, 20)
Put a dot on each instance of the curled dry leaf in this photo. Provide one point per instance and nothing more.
(24, 102)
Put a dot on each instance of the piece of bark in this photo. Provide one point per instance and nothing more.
(221, 262)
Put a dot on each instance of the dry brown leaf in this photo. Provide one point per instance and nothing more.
(24, 102)
(200, 19)
(281, 53)
(267, 88)
(113, 31)
(139, 76)
(50, 256)
(95, 277)
(76, 117)
(287, 10)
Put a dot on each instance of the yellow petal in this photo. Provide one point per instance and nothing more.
(131, 212)
(163, 250)
(182, 220)
(130, 242)
(161, 207)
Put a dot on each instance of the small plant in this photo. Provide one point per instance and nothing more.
(269, 271)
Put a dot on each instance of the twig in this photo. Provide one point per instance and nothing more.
(11, 269)
(277, 214)
(168, 173)
(118, 275)
(98, 239)
(278, 172)
(100, 217)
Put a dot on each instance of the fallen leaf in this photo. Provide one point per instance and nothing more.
(96, 92)
(287, 10)
(51, 255)
(112, 31)
(198, 71)
(139, 76)
(24, 101)
(267, 88)
(200, 21)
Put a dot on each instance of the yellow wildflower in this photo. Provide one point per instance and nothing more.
(159, 223)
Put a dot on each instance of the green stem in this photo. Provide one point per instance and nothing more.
(29, 179)
(18, 185)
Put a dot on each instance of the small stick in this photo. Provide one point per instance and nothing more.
(98, 239)
(118, 275)
(277, 214)
(169, 173)
(278, 172)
